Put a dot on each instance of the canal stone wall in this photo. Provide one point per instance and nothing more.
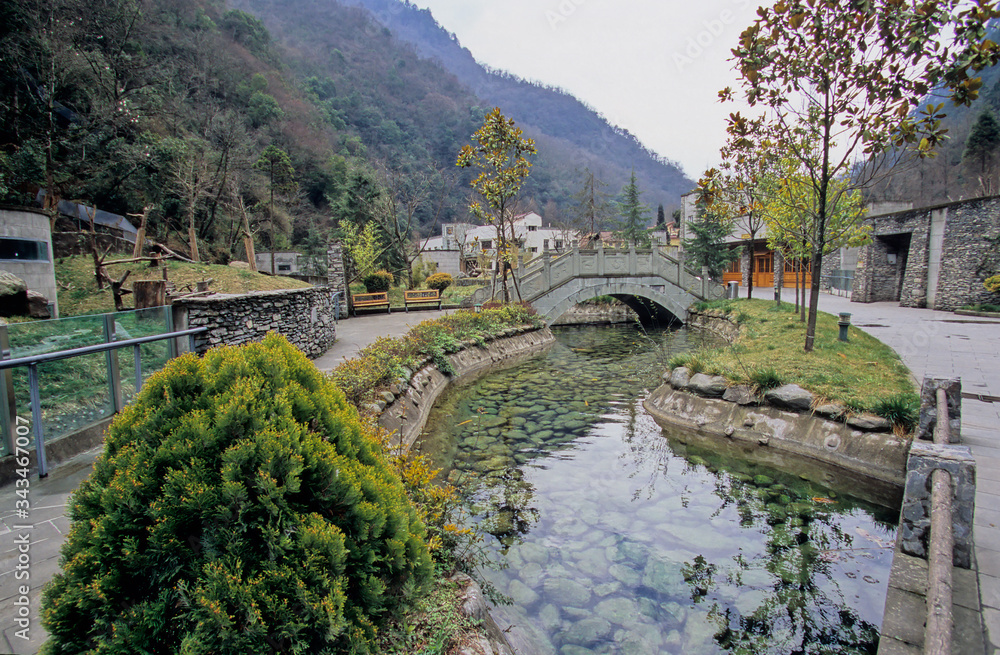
(411, 400)
(710, 407)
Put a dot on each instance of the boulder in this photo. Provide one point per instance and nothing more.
(741, 395)
(711, 386)
(13, 295)
(869, 423)
(243, 266)
(680, 377)
(38, 305)
(833, 411)
(790, 396)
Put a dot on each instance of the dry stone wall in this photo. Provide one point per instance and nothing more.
(303, 316)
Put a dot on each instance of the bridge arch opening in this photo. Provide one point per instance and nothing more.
(655, 306)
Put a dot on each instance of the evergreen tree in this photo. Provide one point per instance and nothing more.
(981, 149)
(591, 205)
(661, 218)
(706, 248)
(634, 215)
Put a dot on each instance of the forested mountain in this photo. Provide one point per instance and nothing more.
(299, 121)
(950, 176)
(585, 135)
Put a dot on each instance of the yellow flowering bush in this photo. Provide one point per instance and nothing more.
(993, 284)
(239, 507)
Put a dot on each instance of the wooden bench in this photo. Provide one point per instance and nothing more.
(370, 301)
(423, 297)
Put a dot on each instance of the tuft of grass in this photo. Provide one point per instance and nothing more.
(766, 378)
(858, 374)
(902, 410)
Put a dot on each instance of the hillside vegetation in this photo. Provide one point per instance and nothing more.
(204, 113)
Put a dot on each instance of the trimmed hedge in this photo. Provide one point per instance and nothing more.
(239, 507)
(439, 281)
(379, 281)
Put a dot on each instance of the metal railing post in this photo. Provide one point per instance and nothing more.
(111, 360)
(137, 356)
(168, 319)
(36, 420)
(8, 405)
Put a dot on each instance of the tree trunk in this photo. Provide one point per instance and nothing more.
(149, 293)
(750, 253)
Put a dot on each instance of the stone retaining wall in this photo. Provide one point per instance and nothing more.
(597, 315)
(715, 321)
(303, 316)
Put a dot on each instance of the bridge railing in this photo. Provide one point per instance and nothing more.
(548, 272)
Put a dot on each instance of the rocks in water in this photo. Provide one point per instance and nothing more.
(522, 594)
(566, 593)
(680, 377)
(790, 396)
(664, 577)
(586, 632)
(763, 481)
(710, 386)
(869, 423)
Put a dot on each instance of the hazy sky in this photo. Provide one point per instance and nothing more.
(653, 67)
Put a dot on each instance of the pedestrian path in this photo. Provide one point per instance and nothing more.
(946, 345)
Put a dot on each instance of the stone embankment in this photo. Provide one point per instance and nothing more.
(403, 410)
(597, 315)
(785, 419)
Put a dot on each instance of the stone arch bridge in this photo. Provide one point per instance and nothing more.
(658, 287)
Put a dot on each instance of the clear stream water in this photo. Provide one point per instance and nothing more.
(617, 538)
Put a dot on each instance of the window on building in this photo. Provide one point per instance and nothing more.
(545, 244)
(534, 250)
(801, 265)
(532, 228)
(487, 244)
(24, 249)
(284, 268)
(734, 266)
(559, 245)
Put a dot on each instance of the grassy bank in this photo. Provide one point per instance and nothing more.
(864, 374)
(78, 292)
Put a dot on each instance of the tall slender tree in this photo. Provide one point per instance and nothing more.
(500, 152)
(275, 163)
(591, 206)
(981, 150)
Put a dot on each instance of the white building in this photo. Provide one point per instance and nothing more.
(463, 247)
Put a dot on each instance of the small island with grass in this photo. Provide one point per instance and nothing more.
(851, 404)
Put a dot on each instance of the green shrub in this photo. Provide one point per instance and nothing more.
(439, 281)
(993, 284)
(379, 281)
(901, 410)
(766, 378)
(239, 507)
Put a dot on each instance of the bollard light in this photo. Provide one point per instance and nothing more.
(844, 323)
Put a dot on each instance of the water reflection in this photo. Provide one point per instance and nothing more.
(621, 540)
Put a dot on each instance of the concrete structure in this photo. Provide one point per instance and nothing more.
(285, 262)
(26, 251)
(654, 285)
(936, 257)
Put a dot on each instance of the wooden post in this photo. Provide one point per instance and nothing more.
(140, 237)
(149, 293)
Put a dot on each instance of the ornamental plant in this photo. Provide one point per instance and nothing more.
(379, 281)
(439, 281)
(239, 507)
(993, 284)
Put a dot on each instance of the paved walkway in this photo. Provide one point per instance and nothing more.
(942, 344)
(932, 343)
